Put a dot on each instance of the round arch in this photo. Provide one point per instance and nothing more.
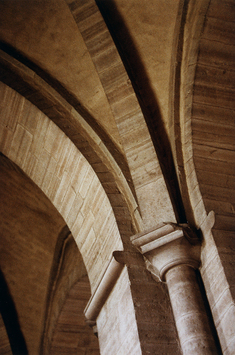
(39, 264)
(109, 166)
(33, 142)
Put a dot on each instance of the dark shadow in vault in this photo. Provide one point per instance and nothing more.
(10, 318)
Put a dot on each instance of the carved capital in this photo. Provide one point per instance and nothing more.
(167, 246)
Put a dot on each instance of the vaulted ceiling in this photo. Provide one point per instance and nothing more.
(120, 78)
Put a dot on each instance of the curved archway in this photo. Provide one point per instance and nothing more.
(71, 323)
(39, 263)
(52, 161)
(113, 175)
(123, 105)
(48, 157)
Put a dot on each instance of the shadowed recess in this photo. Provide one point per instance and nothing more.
(145, 95)
(10, 318)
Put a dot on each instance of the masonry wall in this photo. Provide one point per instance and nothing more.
(213, 134)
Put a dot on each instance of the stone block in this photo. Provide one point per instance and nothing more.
(87, 181)
(62, 189)
(67, 202)
(74, 210)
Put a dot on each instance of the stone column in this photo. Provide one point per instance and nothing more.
(172, 253)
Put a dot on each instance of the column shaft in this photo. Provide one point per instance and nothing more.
(189, 311)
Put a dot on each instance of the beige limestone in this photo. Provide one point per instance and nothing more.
(172, 254)
(64, 188)
(180, 59)
(121, 323)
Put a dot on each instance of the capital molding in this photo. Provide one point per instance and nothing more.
(167, 246)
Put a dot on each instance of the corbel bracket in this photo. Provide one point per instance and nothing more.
(103, 290)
